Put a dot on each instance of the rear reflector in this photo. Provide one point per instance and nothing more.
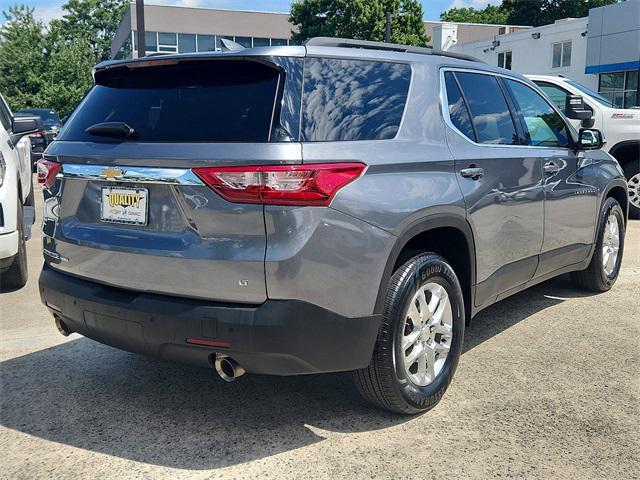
(302, 185)
(47, 171)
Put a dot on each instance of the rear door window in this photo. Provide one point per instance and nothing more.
(545, 126)
(353, 99)
(490, 114)
(207, 101)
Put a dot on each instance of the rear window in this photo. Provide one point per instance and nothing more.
(353, 99)
(210, 101)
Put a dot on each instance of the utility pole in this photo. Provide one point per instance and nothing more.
(387, 28)
(142, 51)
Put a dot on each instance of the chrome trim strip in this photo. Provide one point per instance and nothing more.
(171, 176)
(444, 109)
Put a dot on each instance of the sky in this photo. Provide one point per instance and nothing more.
(48, 9)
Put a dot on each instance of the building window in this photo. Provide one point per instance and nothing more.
(186, 42)
(278, 42)
(504, 60)
(167, 42)
(246, 42)
(206, 43)
(151, 41)
(261, 42)
(561, 54)
(621, 88)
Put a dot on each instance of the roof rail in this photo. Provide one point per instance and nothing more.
(391, 47)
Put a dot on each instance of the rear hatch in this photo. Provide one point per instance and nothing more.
(127, 209)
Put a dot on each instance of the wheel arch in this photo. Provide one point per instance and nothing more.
(624, 151)
(442, 234)
(617, 190)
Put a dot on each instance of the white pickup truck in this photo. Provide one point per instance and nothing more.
(621, 127)
(17, 212)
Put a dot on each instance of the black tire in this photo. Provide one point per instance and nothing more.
(594, 278)
(384, 382)
(632, 174)
(17, 274)
(31, 199)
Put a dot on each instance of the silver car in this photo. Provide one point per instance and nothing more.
(337, 206)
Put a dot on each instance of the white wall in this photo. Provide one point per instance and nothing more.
(535, 56)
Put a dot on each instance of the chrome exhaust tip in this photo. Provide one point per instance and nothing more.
(228, 368)
(62, 327)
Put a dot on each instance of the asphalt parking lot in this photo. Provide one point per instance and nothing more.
(548, 387)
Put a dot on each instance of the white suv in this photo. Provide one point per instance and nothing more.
(17, 212)
(621, 127)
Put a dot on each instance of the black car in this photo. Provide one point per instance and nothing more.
(50, 119)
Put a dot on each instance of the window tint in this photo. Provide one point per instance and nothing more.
(353, 99)
(556, 94)
(489, 111)
(458, 112)
(210, 101)
(545, 126)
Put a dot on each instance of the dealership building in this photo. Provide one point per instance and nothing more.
(176, 29)
(601, 51)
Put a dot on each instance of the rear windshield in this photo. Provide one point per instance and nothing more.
(210, 101)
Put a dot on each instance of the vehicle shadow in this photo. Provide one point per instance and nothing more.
(94, 397)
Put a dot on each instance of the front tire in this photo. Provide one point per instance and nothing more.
(17, 274)
(604, 267)
(420, 338)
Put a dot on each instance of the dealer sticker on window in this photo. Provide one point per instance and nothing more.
(124, 205)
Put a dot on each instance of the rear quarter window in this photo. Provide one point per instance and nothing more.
(353, 99)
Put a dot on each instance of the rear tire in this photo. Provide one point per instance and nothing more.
(603, 269)
(17, 274)
(392, 381)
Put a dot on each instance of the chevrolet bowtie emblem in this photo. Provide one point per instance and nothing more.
(112, 173)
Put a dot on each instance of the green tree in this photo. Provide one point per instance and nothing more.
(544, 12)
(490, 14)
(93, 21)
(22, 58)
(358, 19)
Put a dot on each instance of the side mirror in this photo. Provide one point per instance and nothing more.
(575, 108)
(590, 139)
(21, 126)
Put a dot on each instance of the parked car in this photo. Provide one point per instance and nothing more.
(621, 127)
(207, 208)
(17, 212)
(49, 117)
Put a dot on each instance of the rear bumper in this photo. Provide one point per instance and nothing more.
(279, 337)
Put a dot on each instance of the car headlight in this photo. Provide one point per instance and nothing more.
(3, 169)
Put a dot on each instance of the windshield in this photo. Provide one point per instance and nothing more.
(595, 95)
(49, 117)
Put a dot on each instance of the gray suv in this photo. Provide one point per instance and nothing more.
(337, 206)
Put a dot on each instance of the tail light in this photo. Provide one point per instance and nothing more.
(38, 134)
(303, 185)
(47, 171)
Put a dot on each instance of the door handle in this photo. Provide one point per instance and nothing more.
(472, 172)
(550, 167)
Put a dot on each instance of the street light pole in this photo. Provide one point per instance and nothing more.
(142, 51)
(387, 28)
